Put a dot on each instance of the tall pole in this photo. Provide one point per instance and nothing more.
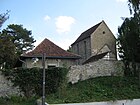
(43, 86)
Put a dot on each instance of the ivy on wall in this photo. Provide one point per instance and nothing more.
(29, 80)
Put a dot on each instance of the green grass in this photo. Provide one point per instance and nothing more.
(97, 89)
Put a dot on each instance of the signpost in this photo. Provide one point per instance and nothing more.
(43, 86)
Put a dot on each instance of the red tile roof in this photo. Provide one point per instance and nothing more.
(51, 50)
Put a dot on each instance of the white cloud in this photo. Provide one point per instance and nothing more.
(121, 0)
(46, 18)
(63, 23)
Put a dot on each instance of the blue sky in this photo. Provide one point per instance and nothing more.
(62, 21)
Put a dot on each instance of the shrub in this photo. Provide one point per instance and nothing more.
(29, 80)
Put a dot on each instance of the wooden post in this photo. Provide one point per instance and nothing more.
(43, 86)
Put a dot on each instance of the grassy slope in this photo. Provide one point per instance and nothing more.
(97, 89)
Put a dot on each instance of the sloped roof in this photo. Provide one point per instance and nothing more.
(87, 33)
(51, 50)
(95, 57)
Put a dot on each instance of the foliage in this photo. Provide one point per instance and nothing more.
(134, 5)
(14, 40)
(7, 52)
(95, 89)
(98, 89)
(129, 43)
(30, 80)
(20, 37)
(17, 100)
(3, 18)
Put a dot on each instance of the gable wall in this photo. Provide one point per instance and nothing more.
(99, 40)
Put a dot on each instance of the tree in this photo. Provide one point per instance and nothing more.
(14, 40)
(20, 37)
(7, 52)
(129, 40)
(129, 43)
(3, 18)
(134, 5)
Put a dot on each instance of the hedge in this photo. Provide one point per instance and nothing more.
(29, 80)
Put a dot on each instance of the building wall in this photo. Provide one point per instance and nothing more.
(82, 48)
(101, 37)
(50, 62)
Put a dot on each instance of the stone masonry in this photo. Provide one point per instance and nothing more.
(95, 69)
(6, 87)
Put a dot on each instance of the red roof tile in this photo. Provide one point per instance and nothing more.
(51, 50)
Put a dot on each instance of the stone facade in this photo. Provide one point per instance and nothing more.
(82, 48)
(95, 69)
(96, 40)
(102, 37)
(6, 87)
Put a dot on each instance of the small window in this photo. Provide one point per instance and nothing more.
(103, 32)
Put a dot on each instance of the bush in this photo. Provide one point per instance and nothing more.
(17, 100)
(30, 80)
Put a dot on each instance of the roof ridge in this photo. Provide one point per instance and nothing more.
(88, 32)
(51, 50)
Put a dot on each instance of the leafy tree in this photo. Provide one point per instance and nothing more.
(20, 37)
(7, 52)
(14, 40)
(3, 18)
(129, 38)
(129, 43)
(134, 5)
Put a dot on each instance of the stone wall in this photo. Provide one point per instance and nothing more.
(82, 48)
(95, 69)
(6, 87)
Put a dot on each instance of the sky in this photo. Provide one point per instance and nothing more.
(62, 21)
